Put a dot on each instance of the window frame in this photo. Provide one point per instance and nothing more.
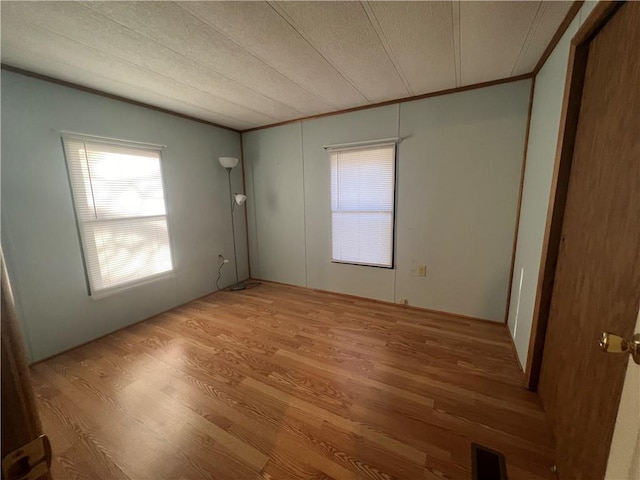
(92, 292)
(394, 213)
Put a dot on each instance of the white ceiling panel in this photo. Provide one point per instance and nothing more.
(260, 29)
(70, 20)
(550, 16)
(492, 35)
(63, 50)
(175, 28)
(248, 64)
(51, 67)
(344, 35)
(425, 56)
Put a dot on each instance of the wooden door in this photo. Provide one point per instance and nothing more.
(597, 280)
(20, 420)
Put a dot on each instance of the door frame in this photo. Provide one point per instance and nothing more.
(20, 420)
(571, 102)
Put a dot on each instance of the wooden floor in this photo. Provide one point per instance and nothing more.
(281, 382)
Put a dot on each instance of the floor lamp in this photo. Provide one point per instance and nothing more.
(236, 199)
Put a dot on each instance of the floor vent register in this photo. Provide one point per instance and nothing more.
(487, 464)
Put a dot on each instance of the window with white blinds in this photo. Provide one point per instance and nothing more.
(120, 209)
(362, 205)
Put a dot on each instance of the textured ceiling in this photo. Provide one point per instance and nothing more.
(247, 64)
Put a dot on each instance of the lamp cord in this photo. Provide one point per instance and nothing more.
(219, 275)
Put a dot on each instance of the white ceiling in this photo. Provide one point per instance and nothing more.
(248, 64)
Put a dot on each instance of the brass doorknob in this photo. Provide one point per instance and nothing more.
(612, 343)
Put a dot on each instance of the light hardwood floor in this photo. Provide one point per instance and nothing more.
(281, 382)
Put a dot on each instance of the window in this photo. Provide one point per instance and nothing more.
(362, 205)
(120, 209)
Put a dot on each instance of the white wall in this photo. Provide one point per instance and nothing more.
(541, 154)
(458, 176)
(39, 234)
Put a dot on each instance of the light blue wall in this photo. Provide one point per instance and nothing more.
(459, 181)
(541, 155)
(39, 235)
(459, 168)
(274, 159)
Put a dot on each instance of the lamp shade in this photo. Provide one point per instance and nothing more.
(239, 198)
(228, 162)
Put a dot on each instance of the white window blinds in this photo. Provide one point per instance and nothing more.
(120, 208)
(362, 205)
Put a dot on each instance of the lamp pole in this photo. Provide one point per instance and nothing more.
(237, 285)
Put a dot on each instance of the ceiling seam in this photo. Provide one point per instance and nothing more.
(373, 20)
(257, 57)
(150, 70)
(455, 35)
(298, 30)
(190, 58)
(533, 28)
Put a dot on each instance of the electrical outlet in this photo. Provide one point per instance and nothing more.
(422, 270)
(222, 259)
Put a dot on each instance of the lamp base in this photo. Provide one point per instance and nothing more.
(237, 286)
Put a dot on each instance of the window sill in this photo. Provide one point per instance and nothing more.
(374, 265)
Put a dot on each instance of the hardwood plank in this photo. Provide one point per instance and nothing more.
(405, 450)
(281, 382)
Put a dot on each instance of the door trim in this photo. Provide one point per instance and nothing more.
(20, 420)
(571, 102)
